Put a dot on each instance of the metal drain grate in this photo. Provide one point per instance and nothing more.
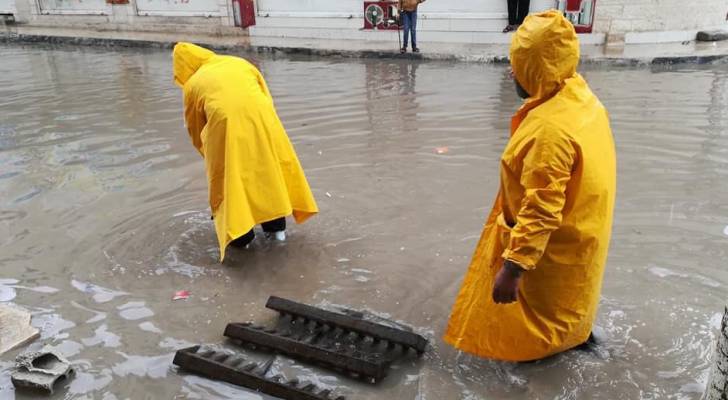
(233, 368)
(351, 345)
(315, 346)
(348, 323)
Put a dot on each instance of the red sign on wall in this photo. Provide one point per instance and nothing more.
(382, 15)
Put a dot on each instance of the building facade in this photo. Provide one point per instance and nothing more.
(462, 21)
(196, 16)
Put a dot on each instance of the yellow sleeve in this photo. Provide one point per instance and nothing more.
(195, 118)
(262, 84)
(546, 171)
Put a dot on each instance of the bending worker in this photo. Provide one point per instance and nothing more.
(253, 173)
(534, 283)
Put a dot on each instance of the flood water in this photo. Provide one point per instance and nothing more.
(103, 217)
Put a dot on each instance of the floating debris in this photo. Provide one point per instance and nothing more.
(181, 295)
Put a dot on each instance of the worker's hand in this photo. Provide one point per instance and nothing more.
(505, 290)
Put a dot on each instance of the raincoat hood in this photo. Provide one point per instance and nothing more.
(187, 58)
(544, 54)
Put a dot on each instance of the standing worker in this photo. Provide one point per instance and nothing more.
(517, 12)
(534, 282)
(408, 12)
(253, 173)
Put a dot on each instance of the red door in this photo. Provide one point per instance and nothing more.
(244, 13)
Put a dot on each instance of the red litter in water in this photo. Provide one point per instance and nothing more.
(441, 150)
(181, 295)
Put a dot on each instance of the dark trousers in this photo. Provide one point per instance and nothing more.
(276, 225)
(517, 11)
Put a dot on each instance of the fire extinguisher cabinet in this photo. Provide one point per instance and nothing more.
(244, 13)
(579, 12)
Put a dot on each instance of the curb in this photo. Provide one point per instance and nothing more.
(20, 38)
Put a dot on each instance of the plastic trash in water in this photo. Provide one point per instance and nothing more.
(442, 150)
(181, 295)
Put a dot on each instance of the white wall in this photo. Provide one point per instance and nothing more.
(207, 8)
(638, 16)
(469, 21)
(7, 7)
(332, 8)
(88, 7)
(193, 16)
(480, 21)
(458, 21)
(355, 8)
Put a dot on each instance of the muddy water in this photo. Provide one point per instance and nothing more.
(103, 217)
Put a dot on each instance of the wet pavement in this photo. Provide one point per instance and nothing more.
(103, 217)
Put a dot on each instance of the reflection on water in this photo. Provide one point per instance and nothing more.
(103, 218)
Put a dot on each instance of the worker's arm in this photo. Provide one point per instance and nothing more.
(195, 118)
(505, 288)
(546, 172)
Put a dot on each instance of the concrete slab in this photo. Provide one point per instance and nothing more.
(15, 329)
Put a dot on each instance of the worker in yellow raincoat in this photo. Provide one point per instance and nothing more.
(533, 285)
(253, 172)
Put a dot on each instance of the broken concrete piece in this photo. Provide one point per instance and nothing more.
(40, 370)
(712, 36)
(15, 329)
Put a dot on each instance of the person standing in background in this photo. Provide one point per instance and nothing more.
(408, 13)
(517, 12)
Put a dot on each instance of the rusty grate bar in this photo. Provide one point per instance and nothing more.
(367, 328)
(235, 369)
(348, 358)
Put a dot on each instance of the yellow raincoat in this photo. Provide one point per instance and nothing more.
(253, 173)
(553, 214)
